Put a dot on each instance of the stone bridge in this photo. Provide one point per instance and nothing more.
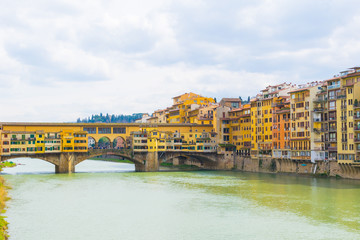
(144, 161)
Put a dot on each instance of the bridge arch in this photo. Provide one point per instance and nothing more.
(199, 159)
(91, 142)
(104, 143)
(119, 143)
(39, 157)
(138, 160)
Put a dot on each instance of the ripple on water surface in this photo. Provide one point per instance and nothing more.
(108, 201)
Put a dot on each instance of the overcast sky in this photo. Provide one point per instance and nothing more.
(64, 59)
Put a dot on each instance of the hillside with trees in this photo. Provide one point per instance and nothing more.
(102, 118)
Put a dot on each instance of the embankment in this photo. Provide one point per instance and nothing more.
(3, 198)
(320, 168)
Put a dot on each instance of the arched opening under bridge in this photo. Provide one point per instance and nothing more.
(91, 142)
(104, 143)
(119, 143)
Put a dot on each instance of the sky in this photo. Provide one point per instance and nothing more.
(64, 59)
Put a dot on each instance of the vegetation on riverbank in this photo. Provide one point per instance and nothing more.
(111, 160)
(3, 198)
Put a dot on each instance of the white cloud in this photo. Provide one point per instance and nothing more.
(62, 59)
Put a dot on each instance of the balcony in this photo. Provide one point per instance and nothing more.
(319, 100)
(332, 140)
(277, 105)
(330, 87)
(317, 119)
(318, 140)
(357, 140)
(344, 140)
(298, 99)
(332, 149)
(356, 117)
(357, 128)
(324, 130)
(341, 96)
(319, 109)
(332, 129)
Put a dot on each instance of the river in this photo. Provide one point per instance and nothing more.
(106, 200)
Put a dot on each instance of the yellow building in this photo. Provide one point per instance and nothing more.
(240, 130)
(184, 104)
(53, 142)
(261, 119)
(203, 115)
(184, 139)
(303, 138)
(40, 142)
(347, 96)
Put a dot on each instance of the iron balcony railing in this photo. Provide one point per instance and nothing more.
(299, 99)
(319, 109)
(330, 87)
(332, 149)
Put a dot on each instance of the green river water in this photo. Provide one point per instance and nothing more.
(105, 200)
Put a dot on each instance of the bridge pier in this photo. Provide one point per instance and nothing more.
(66, 163)
(151, 163)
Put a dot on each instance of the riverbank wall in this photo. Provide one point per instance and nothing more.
(319, 168)
(3, 198)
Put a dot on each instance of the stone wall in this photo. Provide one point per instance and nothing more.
(268, 165)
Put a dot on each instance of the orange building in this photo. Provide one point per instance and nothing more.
(281, 128)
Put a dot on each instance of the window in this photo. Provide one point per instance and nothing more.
(332, 106)
(121, 130)
(90, 130)
(104, 130)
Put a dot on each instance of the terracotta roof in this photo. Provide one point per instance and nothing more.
(300, 89)
(236, 109)
(231, 99)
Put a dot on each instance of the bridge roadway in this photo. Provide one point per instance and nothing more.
(144, 161)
